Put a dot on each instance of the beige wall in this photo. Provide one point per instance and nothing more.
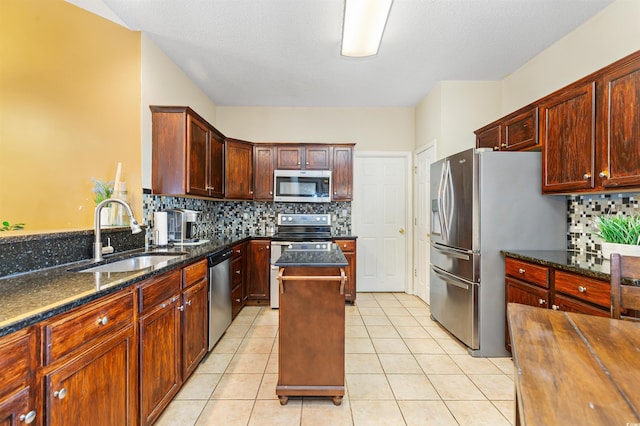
(452, 111)
(69, 111)
(605, 38)
(372, 129)
(164, 83)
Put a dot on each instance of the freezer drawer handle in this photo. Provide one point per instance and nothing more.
(342, 278)
(453, 253)
(451, 280)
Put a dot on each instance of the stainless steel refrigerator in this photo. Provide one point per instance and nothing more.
(483, 202)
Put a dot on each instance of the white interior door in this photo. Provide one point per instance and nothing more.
(379, 220)
(421, 222)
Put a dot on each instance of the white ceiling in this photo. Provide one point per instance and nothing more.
(287, 52)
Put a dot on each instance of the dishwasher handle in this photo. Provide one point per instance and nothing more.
(219, 257)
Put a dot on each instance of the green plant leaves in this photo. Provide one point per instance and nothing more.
(618, 228)
(6, 226)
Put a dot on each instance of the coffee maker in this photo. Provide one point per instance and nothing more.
(181, 223)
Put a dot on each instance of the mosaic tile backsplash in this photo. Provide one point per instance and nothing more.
(219, 219)
(582, 211)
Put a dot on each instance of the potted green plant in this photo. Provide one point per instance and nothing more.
(619, 233)
(102, 191)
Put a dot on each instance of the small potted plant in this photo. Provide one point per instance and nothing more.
(619, 233)
(102, 191)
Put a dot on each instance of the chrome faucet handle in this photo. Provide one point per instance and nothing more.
(108, 249)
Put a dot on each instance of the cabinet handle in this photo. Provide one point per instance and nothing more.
(181, 308)
(237, 251)
(103, 321)
(29, 417)
(211, 188)
(504, 145)
(555, 307)
(603, 174)
(542, 302)
(522, 271)
(582, 289)
(496, 148)
(587, 176)
(188, 303)
(60, 394)
(238, 272)
(237, 300)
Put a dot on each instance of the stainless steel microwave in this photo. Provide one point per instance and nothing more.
(310, 186)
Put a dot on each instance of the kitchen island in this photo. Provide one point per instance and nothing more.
(311, 325)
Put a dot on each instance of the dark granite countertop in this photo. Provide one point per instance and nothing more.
(324, 258)
(580, 263)
(28, 298)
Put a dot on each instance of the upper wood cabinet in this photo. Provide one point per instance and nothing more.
(517, 131)
(567, 131)
(264, 162)
(303, 157)
(342, 173)
(187, 154)
(238, 169)
(620, 128)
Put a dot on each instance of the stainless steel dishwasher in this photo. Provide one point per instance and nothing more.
(219, 294)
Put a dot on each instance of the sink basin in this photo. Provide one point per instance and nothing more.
(133, 263)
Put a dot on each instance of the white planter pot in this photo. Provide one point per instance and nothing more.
(623, 249)
(105, 216)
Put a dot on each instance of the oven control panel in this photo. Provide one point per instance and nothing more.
(304, 219)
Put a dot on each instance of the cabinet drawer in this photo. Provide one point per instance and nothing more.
(236, 272)
(346, 245)
(193, 273)
(157, 289)
(237, 250)
(15, 359)
(526, 271)
(72, 331)
(236, 300)
(584, 288)
(568, 304)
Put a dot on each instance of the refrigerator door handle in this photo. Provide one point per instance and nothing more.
(441, 191)
(450, 279)
(452, 252)
(450, 198)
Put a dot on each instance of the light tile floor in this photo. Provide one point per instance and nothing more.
(401, 368)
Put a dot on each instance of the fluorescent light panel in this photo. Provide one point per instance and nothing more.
(364, 22)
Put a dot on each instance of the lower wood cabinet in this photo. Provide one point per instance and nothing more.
(98, 387)
(348, 248)
(15, 408)
(238, 277)
(18, 394)
(258, 272)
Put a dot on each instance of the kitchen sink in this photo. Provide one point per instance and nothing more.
(132, 264)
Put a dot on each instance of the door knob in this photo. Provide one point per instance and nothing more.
(428, 234)
(401, 231)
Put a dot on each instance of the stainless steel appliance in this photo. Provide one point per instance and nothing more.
(181, 224)
(296, 231)
(219, 294)
(309, 186)
(483, 202)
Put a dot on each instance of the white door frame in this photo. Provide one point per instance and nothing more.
(408, 160)
(414, 279)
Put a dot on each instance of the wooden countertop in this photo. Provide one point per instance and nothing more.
(574, 369)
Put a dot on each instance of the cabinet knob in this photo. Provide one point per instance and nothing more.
(504, 145)
(522, 271)
(298, 163)
(270, 192)
(344, 245)
(307, 163)
(103, 321)
(237, 300)
(582, 289)
(496, 148)
(188, 303)
(60, 394)
(181, 308)
(587, 176)
(542, 302)
(603, 174)
(238, 272)
(555, 307)
(29, 417)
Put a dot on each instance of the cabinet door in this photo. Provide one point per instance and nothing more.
(238, 169)
(489, 138)
(159, 359)
(317, 157)
(342, 174)
(348, 248)
(14, 406)
(259, 256)
(263, 166)
(620, 151)
(97, 388)
(197, 165)
(289, 157)
(216, 165)
(194, 326)
(568, 140)
(521, 131)
(526, 294)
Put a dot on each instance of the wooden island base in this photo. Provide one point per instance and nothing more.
(335, 392)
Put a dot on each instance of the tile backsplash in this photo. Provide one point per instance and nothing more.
(582, 211)
(220, 219)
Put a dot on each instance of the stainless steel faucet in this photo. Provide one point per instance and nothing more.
(97, 244)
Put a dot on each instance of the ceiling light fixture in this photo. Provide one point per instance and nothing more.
(363, 26)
